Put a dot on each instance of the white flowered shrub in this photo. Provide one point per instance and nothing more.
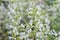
(30, 20)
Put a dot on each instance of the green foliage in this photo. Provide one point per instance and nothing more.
(50, 2)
